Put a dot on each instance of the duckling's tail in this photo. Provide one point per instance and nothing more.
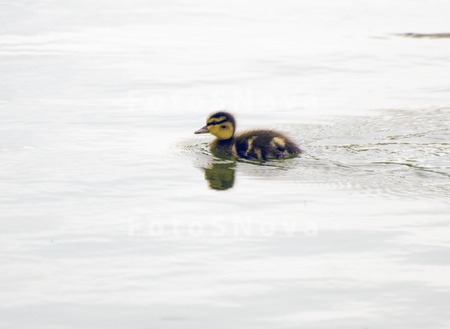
(292, 148)
(286, 147)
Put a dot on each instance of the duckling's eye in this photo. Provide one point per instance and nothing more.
(223, 126)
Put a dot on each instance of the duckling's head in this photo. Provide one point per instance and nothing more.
(220, 124)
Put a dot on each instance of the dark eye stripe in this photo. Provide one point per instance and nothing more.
(216, 123)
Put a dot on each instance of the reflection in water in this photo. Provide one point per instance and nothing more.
(220, 172)
(221, 175)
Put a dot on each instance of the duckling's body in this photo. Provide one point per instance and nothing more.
(260, 145)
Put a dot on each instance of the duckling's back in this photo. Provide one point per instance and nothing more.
(264, 145)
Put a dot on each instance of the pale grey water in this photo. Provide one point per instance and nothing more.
(107, 217)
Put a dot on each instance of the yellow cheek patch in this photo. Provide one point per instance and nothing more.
(222, 131)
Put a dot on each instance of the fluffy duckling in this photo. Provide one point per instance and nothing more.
(259, 145)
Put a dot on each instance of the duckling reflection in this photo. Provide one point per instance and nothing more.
(220, 176)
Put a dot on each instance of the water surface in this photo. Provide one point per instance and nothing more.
(115, 215)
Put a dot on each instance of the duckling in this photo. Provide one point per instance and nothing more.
(262, 145)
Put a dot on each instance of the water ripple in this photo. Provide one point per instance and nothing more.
(398, 153)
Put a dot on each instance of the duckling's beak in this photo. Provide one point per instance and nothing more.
(202, 130)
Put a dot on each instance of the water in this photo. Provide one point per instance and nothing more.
(115, 215)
